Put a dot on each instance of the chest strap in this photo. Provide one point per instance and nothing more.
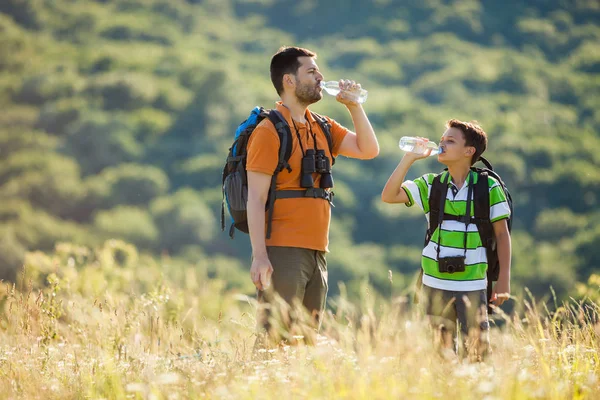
(462, 218)
(316, 193)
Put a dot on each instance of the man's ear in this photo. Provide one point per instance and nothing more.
(288, 79)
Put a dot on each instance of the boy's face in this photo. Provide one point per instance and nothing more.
(454, 148)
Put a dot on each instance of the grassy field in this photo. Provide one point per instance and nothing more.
(112, 325)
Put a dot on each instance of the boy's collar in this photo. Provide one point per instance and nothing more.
(450, 180)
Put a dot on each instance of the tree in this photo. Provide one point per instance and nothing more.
(131, 224)
(99, 141)
(48, 180)
(183, 219)
(133, 184)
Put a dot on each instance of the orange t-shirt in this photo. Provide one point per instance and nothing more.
(297, 222)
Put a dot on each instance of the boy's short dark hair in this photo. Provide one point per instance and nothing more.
(285, 61)
(474, 136)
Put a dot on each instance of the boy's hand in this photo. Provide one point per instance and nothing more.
(419, 146)
(500, 292)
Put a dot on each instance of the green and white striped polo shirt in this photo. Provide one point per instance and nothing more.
(452, 233)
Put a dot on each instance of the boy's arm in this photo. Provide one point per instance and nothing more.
(501, 291)
(393, 191)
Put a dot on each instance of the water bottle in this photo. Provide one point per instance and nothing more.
(418, 146)
(333, 88)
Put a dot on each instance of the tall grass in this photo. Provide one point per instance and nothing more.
(137, 334)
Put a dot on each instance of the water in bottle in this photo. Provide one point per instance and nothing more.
(333, 88)
(418, 146)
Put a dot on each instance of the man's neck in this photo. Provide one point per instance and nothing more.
(297, 110)
(459, 174)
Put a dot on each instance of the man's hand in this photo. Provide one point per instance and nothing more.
(261, 272)
(500, 292)
(345, 96)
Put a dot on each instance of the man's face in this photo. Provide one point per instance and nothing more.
(308, 79)
(454, 147)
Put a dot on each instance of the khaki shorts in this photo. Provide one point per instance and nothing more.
(299, 276)
(464, 312)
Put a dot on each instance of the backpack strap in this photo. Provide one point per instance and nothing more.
(285, 140)
(223, 198)
(482, 209)
(484, 224)
(437, 201)
(285, 151)
(326, 128)
(485, 162)
(485, 228)
(439, 191)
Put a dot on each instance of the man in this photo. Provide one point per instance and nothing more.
(454, 261)
(291, 262)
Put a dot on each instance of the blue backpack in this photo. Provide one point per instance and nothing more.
(235, 183)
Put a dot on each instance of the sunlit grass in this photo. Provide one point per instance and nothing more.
(171, 342)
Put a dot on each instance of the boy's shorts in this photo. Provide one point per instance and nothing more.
(447, 308)
(469, 309)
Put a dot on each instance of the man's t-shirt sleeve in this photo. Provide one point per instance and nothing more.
(338, 133)
(263, 150)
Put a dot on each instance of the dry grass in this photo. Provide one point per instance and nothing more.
(172, 342)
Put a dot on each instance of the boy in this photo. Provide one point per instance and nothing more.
(454, 261)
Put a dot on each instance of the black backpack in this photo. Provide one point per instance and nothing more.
(481, 216)
(235, 184)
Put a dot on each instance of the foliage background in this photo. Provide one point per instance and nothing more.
(117, 116)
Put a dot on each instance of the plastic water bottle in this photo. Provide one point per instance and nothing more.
(417, 146)
(333, 88)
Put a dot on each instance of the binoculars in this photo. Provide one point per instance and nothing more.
(316, 162)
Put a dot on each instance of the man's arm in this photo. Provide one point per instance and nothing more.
(362, 144)
(258, 191)
(501, 291)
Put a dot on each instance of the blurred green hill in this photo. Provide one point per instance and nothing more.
(117, 116)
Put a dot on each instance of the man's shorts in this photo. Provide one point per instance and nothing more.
(298, 275)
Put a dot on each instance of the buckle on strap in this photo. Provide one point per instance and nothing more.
(319, 193)
(465, 219)
(316, 193)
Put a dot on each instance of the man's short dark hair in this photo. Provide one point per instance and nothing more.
(285, 61)
(474, 136)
